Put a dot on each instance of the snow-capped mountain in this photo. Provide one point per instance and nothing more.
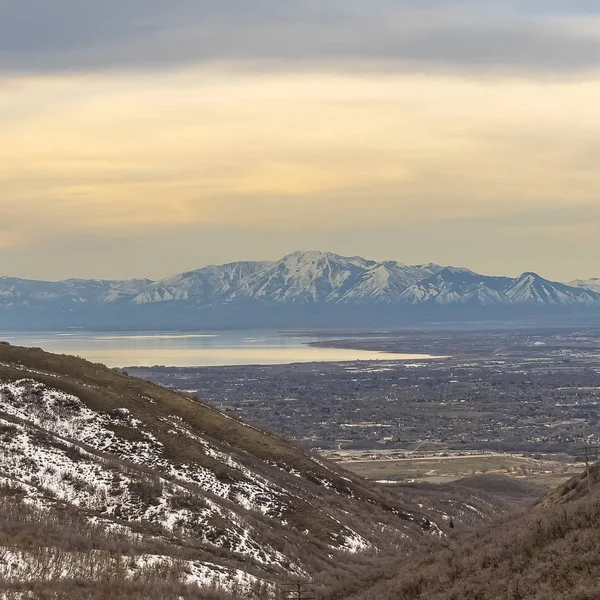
(107, 461)
(306, 277)
(327, 278)
(204, 286)
(531, 288)
(461, 286)
(124, 290)
(300, 277)
(386, 282)
(587, 284)
(301, 281)
(457, 286)
(28, 292)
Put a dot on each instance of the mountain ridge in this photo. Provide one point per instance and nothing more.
(590, 284)
(301, 279)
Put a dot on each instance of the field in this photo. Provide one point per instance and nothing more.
(435, 468)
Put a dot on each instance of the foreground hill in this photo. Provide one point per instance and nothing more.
(549, 553)
(301, 288)
(107, 478)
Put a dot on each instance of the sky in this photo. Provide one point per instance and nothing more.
(140, 138)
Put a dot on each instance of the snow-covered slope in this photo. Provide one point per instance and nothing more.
(306, 277)
(385, 282)
(124, 291)
(178, 478)
(588, 284)
(298, 280)
(27, 292)
(531, 288)
(457, 286)
(204, 286)
(461, 286)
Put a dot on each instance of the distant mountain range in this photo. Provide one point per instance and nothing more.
(301, 288)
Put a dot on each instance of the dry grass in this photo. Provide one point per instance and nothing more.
(549, 553)
(439, 469)
(322, 501)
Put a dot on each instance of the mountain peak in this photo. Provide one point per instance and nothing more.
(529, 275)
(309, 254)
(302, 277)
(306, 256)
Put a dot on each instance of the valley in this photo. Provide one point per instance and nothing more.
(113, 485)
(520, 403)
(164, 490)
(504, 391)
(384, 455)
(391, 467)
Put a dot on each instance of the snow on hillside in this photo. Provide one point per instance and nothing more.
(461, 286)
(76, 476)
(193, 490)
(57, 449)
(306, 277)
(22, 565)
(457, 286)
(56, 469)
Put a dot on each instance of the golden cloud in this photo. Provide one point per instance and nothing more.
(297, 150)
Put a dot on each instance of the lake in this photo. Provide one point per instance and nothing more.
(195, 349)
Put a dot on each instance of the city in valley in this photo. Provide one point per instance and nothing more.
(522, 403)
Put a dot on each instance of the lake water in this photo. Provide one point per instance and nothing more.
(195, 350)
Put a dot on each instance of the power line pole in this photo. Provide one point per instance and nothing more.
(298, 590)
(587, 469)
(589, 453)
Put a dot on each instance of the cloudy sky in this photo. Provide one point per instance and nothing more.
(146, 137)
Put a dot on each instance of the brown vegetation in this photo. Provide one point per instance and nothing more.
(66, 556)
(551, 552)
(322, 504)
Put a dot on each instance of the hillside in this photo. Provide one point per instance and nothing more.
(550, 552)
(303, 288)
(105, 477)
